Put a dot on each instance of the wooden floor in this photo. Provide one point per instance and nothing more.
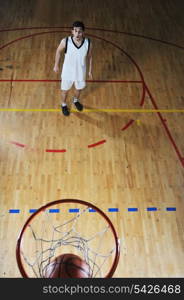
(114, 159)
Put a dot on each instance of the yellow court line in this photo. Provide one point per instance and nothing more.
(95, 110)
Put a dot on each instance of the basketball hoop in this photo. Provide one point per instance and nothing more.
(64, 228)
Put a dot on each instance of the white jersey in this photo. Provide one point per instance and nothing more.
(74, 66)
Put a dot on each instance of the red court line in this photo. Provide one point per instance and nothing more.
(31, 35)
(123, 51)
(98, 29)
(138, 35)
(145, 88)
(58, 80)
(141, 104)
(18, 144)
(28, 28)
(97, 37)
(163, 121)
(104, 81)
(55, 150)
(47, 150)
(97, 144)
(143, 94)
(128, 124)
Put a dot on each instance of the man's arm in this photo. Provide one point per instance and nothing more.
(90, 62)
(60, 48)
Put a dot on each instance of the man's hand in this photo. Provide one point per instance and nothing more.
(56, 69)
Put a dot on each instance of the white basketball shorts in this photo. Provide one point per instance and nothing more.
(67, 84)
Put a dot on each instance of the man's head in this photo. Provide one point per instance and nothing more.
(78, 29)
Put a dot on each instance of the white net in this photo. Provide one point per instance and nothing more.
(80, 231)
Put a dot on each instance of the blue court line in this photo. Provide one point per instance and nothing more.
(14, 211)
(113, 209)
(32, 210)
(74, 210)
(171, 208)
(51, 210)
(151, 208)
(132, 209)
(54, 210)
(92, 210)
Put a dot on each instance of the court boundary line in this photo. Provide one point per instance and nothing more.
(97, 29)
(110, 210)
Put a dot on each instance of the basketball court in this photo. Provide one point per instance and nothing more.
(124, 153)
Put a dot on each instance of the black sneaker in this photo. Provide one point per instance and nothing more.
(78, 105)
(65, 110)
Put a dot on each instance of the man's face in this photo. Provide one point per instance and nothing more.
(77, 33)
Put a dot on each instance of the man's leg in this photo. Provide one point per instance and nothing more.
(64, 106)
(76, 102)
(65, 87)
(79, 86)
(77, 94)
(64, 95)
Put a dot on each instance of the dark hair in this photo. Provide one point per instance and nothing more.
(78, 24)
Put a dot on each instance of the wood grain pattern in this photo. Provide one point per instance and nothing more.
(134, 168)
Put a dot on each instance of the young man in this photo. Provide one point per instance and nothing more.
(77, 49)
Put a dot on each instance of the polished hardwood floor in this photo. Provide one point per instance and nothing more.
(114, 155)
